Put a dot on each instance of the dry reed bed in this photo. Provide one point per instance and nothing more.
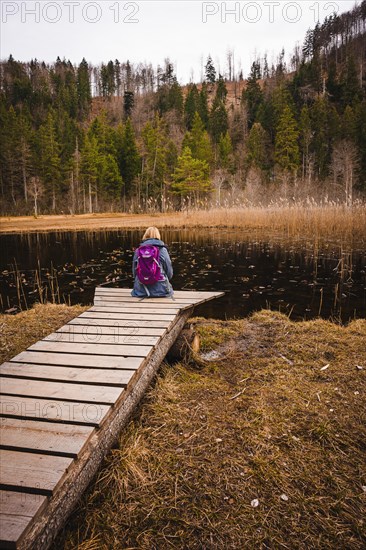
(277, 419)
(294, 221)
(313, 221)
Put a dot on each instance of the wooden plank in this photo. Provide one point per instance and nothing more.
(152, 327)
(72, 412)
(176, 302)
(128, 316)
(17, 510)
(125, 307)
(97, 338)
(95, 328)
(85, 468)
(138, 310)
(73, 360)
(104, 377)
(150, 303)
(33, 472)
(177, 293)
(112, 306)
(98, 349)
(84, 393)
(43, 437)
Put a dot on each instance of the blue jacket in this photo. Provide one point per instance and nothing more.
(161, 288)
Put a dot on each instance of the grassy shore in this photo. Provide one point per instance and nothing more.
(263, 447)
(18, 332)
(257, 443)
(291, 220)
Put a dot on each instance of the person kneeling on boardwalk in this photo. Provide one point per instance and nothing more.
(151, 267)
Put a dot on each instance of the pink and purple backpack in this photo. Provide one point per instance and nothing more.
(148, 269)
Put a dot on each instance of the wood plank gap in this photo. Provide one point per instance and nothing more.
(46, 420)
(64, 380)
(37, 451)
(73, 337)
(28, 490)
(83, 354)
(99, 369)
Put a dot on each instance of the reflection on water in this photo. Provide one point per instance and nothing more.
(295, 278)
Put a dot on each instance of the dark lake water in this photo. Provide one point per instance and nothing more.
(295, 278)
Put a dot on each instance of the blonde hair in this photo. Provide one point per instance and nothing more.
(151, 233)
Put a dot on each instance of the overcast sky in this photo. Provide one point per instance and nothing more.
(185, 31)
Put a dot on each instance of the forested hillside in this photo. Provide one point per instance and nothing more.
(128, 137)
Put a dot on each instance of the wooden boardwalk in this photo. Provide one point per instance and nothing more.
(65, 400)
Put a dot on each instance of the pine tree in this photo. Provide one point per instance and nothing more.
(257, 148)
(315, 72)
(169, 95)
(128, 103)
(117, 75)
(17, 85)
(287, 154)
(9, 155)
(221, 90)
(49, 159)
(252, 95)
(218, 120)
(70, 92)
(130, 162)
(105, 135)
(266, 116)
(109, 177)
(191, 177)
(350, 85)
(210, 71)
(155, 141)
(83, 89)
(280, 100)
(104, 80)
(325, 127)
(348, 124)
(225, 151)
(202, 109)
(175, 97)
(198, 141)
(191, 106)
(111, 78)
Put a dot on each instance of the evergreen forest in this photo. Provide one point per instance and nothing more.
(129, 137)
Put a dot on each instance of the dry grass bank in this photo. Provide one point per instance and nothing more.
(293, 221)
(263, 447)
(20, 331)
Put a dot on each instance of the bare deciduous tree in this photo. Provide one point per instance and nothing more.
(35, 191)
(344, 164)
